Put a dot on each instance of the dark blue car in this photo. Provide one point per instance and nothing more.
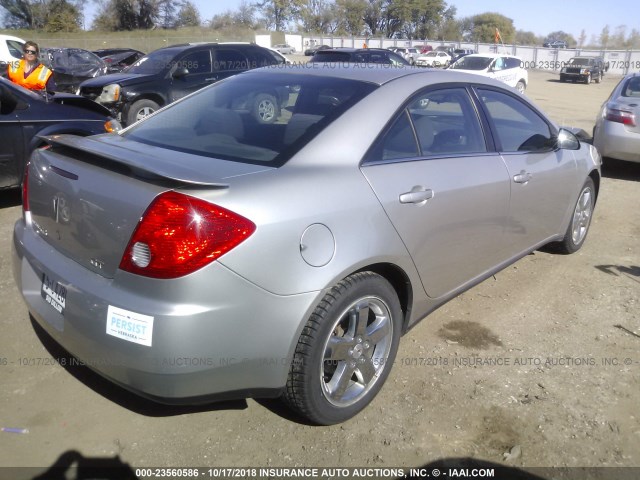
(25, 116)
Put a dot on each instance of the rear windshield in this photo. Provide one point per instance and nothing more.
(259, 118)
(472, 63)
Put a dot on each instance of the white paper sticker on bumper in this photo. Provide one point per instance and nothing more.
(130, 326)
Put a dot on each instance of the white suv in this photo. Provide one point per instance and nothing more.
(506, 68)
(10, 50)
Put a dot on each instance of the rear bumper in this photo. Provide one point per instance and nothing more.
(223, 337)
(613, 140)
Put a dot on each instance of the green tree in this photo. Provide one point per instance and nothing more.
(351, 15)
(188, 15)
(62, 16)
(117, 15)
(582, 38)
(316, 15)
(604, 37)
(633, 41)
(277, 14)
(526, 38)
(485, 25)
(167, 13)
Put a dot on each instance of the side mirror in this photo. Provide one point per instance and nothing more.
(567, 140)
(181, 72)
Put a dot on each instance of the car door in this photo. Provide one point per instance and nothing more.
(541, 175)
(192, 71)
(11, 140)
(444, 192)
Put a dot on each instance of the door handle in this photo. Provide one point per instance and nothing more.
(416, 195)
(522, 177)
(210, 79)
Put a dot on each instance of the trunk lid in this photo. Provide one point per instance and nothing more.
(87, 195)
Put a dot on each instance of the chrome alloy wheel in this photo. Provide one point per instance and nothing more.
(266, 110)
(144, 112)
(356, 351)
(582, 216)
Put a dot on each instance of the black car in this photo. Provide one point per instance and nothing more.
(359, 55)
(72, 66)
(165, 75)
(313, 49)
(25, 116)
(584, 69)
(117, 59)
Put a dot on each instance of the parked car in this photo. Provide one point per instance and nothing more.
(117, 59)
(359, 55)
(617, 130)
(168, 234)
(10, 50)
(583, 69)
(26, 115)
(506, 68)
(72, 66)
(433, 59)
(461, 52)
(555, 44)
(284, 48)
(424, 48)
(170, 73)
(408, 53)
(312, 50)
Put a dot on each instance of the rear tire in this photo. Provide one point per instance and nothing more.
(588, 79)
(346, 350)
(265, 108)
(599, 77)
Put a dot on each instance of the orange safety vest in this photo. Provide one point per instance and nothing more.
(36, 80)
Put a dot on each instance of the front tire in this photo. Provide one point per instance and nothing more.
(581, 220)
(521, 87)
(266, 109)
(346, 350)
(141, 109)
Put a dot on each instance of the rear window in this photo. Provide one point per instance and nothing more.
(632, 88)
(259, 118)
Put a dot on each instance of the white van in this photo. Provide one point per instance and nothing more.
(506, 68)
(10, 49)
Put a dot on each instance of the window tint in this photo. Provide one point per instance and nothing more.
(230, 59)
(15, 48)
(512, 62)
(446, 123)
(443, 122)
(260, 118)
(632, 88)
(519, 128)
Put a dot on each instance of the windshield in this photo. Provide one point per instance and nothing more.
(261, 117)
(472, 63)
(580, 61)
(153, 63)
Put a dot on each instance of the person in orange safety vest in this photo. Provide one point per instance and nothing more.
(29, 72)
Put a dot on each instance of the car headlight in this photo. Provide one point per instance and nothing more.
(110, 94)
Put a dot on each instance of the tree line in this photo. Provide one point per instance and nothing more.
(410, 19)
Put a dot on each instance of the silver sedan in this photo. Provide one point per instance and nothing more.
(617, 130)
(200, 254)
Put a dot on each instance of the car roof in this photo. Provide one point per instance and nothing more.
(492, 55)
(378, 74)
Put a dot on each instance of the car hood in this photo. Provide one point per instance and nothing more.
(119, 78)
(81, 102)
(156, 161)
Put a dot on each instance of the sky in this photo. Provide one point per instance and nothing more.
(538, 16)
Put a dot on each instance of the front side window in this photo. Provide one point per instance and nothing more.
(518, 126)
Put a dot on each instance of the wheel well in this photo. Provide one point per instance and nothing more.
(400, 283)
(154, 98)
(596, 181)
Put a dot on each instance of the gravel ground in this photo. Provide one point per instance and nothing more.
(535, 367)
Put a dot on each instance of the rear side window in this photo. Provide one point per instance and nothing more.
(519, 128)
(227, 59)
(511, 62)
(196, 62)
(15, 48)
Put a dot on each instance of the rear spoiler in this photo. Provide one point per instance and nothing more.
(85, 150)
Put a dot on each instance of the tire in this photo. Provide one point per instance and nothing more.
(265, 108)
(562, 79)
(599, 77)
(580, 221)
(343, 357)
(141, 109)
(588, 79)
(521, 87)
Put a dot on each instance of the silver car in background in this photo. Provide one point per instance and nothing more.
(200, 254)
(617, 130)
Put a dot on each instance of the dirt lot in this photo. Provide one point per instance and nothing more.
(541, 361)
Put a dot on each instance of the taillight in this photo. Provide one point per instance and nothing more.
(25, 188)
(179, 234)
(621, 116)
